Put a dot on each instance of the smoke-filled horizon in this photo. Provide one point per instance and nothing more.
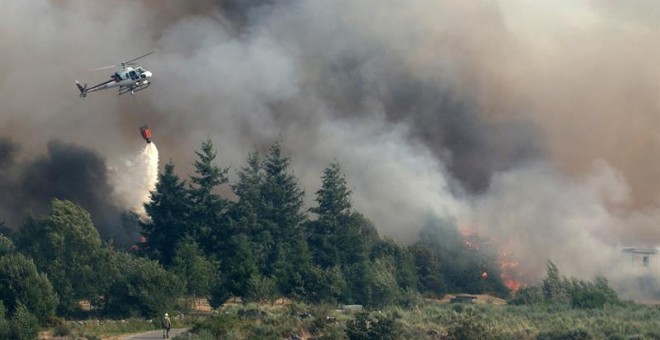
(535, 123)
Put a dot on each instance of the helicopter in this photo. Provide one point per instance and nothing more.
(128, 79)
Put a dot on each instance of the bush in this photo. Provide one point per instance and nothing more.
(62, 330)
(24, 325)
(141, 287)
(468, 326)
(364, 327)
(566, 334)
(22, 283)
(527, 296)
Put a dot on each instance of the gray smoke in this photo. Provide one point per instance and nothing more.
(67, 172)
(525, 121)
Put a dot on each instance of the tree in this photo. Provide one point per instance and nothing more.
(169, 210)
(6, 245)
(199, 272)
(288, 259)
(247, 214)
(140, 287)
(5, 327)
(331, 227)
(24, 325)
(23, 285)
(334, 196)
(460, 259)
(282, 196)
(208, 220)
(400, 259)
(554, 287)
(240, 267)
(67, 247)
(428, 271)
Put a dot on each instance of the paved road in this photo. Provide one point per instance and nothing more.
(155, 334)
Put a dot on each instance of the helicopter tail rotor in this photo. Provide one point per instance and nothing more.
(82, 88)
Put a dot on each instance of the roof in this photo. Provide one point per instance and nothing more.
(648, 251)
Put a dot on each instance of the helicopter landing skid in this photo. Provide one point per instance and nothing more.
(137, 88)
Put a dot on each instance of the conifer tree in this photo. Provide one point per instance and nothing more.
(288, 259)
(169, 210)
(332, 224)
(207, 219)
(282, 196)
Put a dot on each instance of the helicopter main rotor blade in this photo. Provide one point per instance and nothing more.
(105, 67)
(140, 57)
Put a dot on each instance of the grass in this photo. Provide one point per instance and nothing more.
(425, 321)
(102, 329)
(429, 321)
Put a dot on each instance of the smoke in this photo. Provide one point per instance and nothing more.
(65, 171)
(135, 178)
(532, 122)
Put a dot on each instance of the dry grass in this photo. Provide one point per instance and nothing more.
(481, 299)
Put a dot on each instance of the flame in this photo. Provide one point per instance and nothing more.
(510, 274)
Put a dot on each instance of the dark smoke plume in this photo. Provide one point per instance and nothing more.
(67, 172)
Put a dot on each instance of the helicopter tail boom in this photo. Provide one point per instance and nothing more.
(82, 88)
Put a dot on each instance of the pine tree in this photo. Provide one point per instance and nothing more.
(208, 217)
(334, 196)
(333, 210)
(282, 218)
(282, 196)
(169, 210)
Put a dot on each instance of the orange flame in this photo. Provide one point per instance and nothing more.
(510, 272)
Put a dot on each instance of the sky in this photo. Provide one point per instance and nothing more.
(534, 123)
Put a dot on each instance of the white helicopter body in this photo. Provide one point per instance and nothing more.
(128, 79)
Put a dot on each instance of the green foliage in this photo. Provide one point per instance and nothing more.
(597, 294)
(67, 247)
(24, 325)
(141, 287)
(5, 327)
(446, 261)
(199, 273)
(169, 210)
(261, 289)
(367, 326)
(240, 268)
(555, 288)
(324, 285)
(565, 334)
(527, 296)
(208, 217)
(469, 325)
(22, 285)
(6, 245)
(399, 258)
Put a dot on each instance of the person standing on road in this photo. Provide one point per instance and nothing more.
(167, 324)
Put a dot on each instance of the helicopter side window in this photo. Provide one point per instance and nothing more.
(133, 75)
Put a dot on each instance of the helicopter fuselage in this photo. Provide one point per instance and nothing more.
(128, 80)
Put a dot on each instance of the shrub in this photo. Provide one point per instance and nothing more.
(364, 327)
(566, 334)
(62, 330)
(527, 296)
(468, 326)
(24, 325)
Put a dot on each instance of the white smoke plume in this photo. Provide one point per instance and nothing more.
(134, 179)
